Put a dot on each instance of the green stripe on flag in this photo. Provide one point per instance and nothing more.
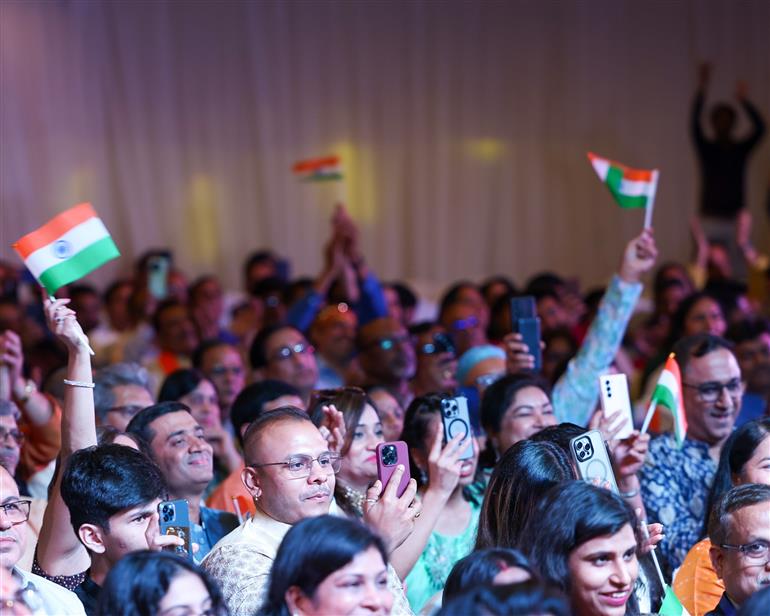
(323, 177)
(80, 264)
(665, 397)
(671, 605)
(614, 177)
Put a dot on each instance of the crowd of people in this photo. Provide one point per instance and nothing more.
(260, 416)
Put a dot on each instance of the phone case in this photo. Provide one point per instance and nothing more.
(389, 456)
(457, 420)
(614, 395)
(592, 460)
(157, 277)
(174, 519)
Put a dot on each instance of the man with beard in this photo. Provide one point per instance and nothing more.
(333, 333)
(171, 437)
(386, 356)
(436, 360)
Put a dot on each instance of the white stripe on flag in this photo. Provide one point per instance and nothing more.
(668, 380)
(635, 188)
(601, 166)
(77, 238)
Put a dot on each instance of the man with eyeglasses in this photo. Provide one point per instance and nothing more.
(290, 474)
(14, 512)
(675, 482)
(282, 353)
(739, 530)
(170, 437)
(386, 356)
(222, 364)
(120, 392)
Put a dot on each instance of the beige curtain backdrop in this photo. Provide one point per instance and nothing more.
(462, 125)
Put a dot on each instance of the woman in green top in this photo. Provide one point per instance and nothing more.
(446, 530)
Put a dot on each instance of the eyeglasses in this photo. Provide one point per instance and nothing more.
(386, 344)
(300, 466)
(16, 511)
(485, 380)
(285, 352)
(441, 344)
(223, 370)
(463, 324)
(711, 392)
(15, 435)
(128, 411)
(756, 550)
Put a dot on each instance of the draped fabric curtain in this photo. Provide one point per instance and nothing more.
(462, 125)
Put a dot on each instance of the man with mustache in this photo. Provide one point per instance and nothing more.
(290, 474)
(739, 530)
(172, 439)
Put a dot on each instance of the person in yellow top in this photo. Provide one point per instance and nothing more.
(745, 458)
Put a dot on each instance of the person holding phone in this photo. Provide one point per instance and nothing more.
(446, 531)
(589, 550)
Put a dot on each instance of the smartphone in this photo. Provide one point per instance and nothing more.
(592, 459)
(457, 420)
(158, 267)
(174, 519)
(389, 456)
(524, 321)
(614, 395)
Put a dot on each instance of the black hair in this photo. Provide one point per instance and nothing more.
(680, 316)
(267, 419)
(747, 330)
(560, 435)
(103, 480)
(417, 419)
(165, 305)
(179, 383)
(82, 289)
(530, 597)
(350, 401)
(311, 551)
(585, 512)
(204, 347)
(736, 498)
(137, 583)
(481, 567)
(270, 286)
(257, 257)
(143, 262)
(250, 402)
(258, 351)
(544, 284)
(737, 450)
(140, 423)
(698, 346)
(522, 477)
(106, 435)
(452, 294)
(406, 297)
(485, 286)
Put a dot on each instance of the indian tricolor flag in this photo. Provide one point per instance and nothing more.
(631, 188)
(327, 168)
(67, 247)
(668, 393)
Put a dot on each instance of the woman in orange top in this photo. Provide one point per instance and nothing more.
(745, 459)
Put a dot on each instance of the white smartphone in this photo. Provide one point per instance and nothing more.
(614, 395)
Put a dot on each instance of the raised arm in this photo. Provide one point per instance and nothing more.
(59, 551)
(757, 123)
(704, 75)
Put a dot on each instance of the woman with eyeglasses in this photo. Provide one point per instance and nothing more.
(329, 565)
(190, 387)
(745, 458)
(159, 584)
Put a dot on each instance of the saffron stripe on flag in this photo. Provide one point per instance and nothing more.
(77, 238)
(53, 229)
(80, 264)
(304, 166)
(614, 178)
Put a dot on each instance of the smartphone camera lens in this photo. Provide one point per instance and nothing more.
(167, 512)
(389, 456)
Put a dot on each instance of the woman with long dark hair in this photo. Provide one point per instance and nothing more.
(329, 565)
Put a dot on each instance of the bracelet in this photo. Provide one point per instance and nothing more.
(630, 494)
(79, 384)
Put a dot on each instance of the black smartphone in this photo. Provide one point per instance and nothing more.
(524, 321)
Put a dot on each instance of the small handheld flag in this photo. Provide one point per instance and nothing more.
(631, 188)
(66, 248)
(668, 393)
(325, 169)
(671, 605)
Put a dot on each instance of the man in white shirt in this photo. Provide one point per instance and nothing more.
(13, 539)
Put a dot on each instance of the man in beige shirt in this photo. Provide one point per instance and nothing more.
(290, 473)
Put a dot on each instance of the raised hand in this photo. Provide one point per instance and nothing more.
(391, 516)
(63, 322)
(11, 355)
(518, 359)
(444, 464)
(608, 425)
(333, 427)
(629, 454)
(639, 257)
